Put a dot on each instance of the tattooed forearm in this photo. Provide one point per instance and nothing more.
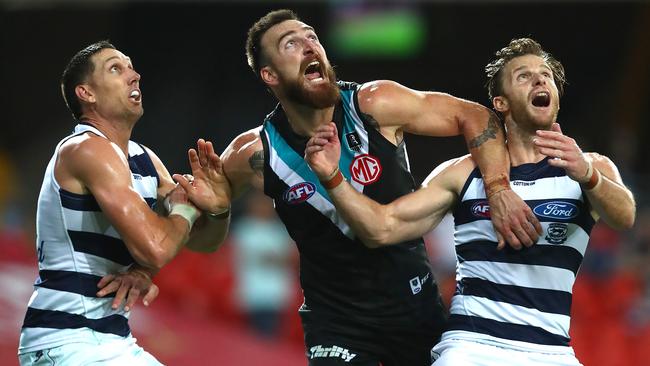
(256, 161)
(493, 127)
(371, 120)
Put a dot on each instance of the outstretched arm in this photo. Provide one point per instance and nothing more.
(408, 217)
(597, 174)
(395, 108)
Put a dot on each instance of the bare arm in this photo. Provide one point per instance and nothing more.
(91, 164)
(610, 199)
(395, 108)
(408, 217)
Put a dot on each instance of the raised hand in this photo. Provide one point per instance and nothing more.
(565, 151)
(208, 187)
(128, 287)
(323, 151)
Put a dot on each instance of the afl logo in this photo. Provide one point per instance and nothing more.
(365, 169)
(481, 209)
(299, 193)
(559, 210)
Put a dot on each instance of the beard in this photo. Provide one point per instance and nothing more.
(323, 96)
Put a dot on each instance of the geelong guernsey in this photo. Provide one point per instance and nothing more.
(519, 299)
(340, 277)
(76, 246)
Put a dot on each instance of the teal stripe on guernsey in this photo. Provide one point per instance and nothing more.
(348, 127)
(293, 160)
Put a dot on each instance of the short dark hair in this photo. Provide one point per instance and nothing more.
(76, 72)
(516, 48)
(254, 54)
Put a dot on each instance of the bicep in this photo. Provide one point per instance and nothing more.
(243, 163)
(414, 111)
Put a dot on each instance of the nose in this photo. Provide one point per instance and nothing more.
(135, 77)
(307, 47)
(539, 79)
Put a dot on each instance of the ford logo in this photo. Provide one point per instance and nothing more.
(557, 210)
(299, 193)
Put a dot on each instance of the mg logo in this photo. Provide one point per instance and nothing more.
(365, 169)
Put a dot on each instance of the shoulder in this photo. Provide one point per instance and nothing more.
(377, 94)
(452, 173)
(88, 149)
(243, 161)
(243, 146)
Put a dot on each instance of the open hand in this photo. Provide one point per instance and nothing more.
(565, 151)
(208, 187)
(129, 286)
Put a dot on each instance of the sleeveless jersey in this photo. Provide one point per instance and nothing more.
(519, 298)
(339, 276)
(76, 246)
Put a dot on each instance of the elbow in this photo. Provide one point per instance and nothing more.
(154, 257)
(627, 221)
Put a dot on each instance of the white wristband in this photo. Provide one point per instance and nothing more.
(188, 212)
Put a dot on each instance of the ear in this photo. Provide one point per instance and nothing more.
(84, 93)
(269, 77)
(500, 103)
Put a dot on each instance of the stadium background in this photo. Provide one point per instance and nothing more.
(196, 83)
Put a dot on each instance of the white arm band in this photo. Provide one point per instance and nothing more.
(184, 210)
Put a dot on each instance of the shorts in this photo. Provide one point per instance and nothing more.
(337, 343)
(454, 352)
(113, 353)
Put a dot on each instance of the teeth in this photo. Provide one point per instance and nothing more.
(134, 94)
(314, 63)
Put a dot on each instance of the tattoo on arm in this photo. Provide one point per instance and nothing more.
(256, 162)
(371, 120)
(493, 127)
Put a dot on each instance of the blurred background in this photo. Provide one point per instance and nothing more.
(238, 306)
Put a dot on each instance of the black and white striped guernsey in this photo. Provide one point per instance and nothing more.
(340, 277)
(76, 246)
(519, 299)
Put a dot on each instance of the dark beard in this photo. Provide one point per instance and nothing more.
(327, 95)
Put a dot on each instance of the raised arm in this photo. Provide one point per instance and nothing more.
(395, 108)
(408, 217)
(597, 174)
(92, 164)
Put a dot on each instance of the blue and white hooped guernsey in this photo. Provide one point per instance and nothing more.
(519, 299)
(76, 246)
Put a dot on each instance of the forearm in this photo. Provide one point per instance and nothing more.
(209, 233)
(486, 142)
(613, 202)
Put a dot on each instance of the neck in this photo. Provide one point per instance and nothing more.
(520, 144)
(305, 120)
(118, 132)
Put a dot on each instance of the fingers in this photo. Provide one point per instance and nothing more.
(111, 287)
(501, 241)
(133, 296)
(105, 280)
(195, 161)
(151, 295)
(183, 181)
(313, 149)
(532, 219)
(120, 295)
(556, 127)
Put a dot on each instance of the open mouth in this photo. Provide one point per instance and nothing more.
(541, 99)
(313, 71)
(135, 96)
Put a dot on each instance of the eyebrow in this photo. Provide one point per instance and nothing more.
(128, 59)
(544, 65)
(305, 27)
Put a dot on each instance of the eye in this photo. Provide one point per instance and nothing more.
(523, 76)
(114, 68)
(547, 74)
(290, 44)
(312, 37)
